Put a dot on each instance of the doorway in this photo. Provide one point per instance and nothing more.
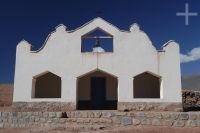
(97, 90)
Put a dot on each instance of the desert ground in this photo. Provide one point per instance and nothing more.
(128, 129)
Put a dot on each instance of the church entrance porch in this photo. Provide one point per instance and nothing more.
(97, 90)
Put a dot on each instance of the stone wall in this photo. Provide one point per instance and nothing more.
(43, 106)
(124, 107)
(97, 120)
(149, 106)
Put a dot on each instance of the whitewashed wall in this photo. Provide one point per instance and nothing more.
(133, 54)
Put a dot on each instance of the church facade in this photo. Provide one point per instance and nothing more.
(98, 66)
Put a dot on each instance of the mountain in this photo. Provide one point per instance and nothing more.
(191, 82)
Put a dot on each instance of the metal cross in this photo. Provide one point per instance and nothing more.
(187, 14)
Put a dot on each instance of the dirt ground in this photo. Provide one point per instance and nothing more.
(128, 129)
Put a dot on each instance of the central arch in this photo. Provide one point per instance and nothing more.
(97, 90)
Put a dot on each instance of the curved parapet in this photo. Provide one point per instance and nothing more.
(134, 27)
(24, 46)
(60, 29)
(171, 45)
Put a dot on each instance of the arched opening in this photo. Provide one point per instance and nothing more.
(97, 90)
(146, 85)
(46, 85)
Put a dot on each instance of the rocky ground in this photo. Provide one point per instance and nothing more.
(191, 100)
(124, 129)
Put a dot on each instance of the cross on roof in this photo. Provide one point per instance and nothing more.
(187, 14)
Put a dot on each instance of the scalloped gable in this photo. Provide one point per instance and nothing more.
(97, 23)
(92, 25)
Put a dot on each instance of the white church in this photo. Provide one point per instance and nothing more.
(98, 67)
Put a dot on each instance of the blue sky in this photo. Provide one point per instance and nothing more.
(33, 20)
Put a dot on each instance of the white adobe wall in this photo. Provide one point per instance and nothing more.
(169, 62)
(133, 54)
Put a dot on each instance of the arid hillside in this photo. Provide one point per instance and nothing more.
(6, 94)
(191, 82)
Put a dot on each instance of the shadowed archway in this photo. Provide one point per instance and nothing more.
(97, 90)
(146, 85)
(46, 85)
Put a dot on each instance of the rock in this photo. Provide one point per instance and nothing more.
(19, 114)
(58, 114)
(107, 114)
(63, 120)
(174, 115)
(156, 122)
(192, 116)
(191, 100)
(20, 120)
(97, 114)
(37, 119)
(52, 114)
(83, 120)
(150, 115)
(45, 114)
(140, 114)
(192, 123)
(42, 120)
(140, 107)
(158, 115)
(15, 120)
(5, 120)
(6, 125)
(80, 114)
(104, 120)
(14, 114)
(136, 122)
(10, 120)
(110, 114)
(126, 121)
(116, 119)
(55, 120)
(146, 122)
(166, 115)
(35, 113)
(149, 107)
(1, 125)
(167, 123)
(179, 123)
(26, 119)
(183, 116)
(91, 115)
(4, 114)
(130, 114)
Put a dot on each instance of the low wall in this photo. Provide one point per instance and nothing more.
(122, 106)
(97, 120)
